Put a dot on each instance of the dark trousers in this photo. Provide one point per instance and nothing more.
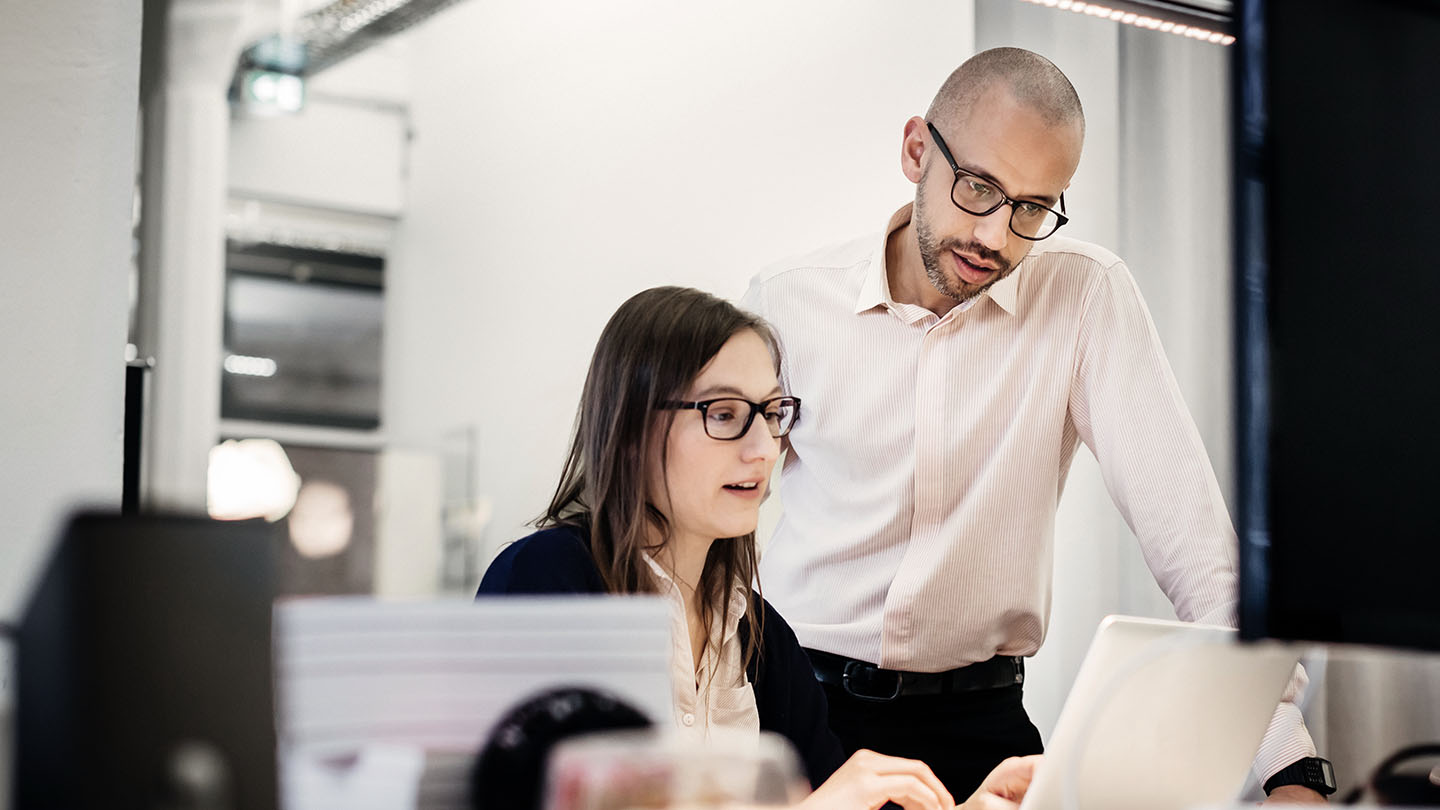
(961, 736)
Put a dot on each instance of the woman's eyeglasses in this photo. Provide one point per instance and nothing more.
(729, 418)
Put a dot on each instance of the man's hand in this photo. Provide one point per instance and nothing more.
(868, 780)
(1005, 786)
(1294, 794)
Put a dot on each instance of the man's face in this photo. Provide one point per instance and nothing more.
(1015, 148)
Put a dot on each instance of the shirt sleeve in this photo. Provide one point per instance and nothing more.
(753, 300)
(1125, 404)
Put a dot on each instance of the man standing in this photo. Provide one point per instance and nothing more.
(950, 367)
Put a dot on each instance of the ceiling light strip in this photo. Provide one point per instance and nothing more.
(1153, 19)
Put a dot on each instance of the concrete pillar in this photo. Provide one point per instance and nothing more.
(179, 321)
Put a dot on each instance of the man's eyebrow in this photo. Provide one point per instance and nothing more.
(1043, 199)
(730, 390)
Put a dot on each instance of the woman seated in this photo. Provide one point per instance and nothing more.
(679, 427)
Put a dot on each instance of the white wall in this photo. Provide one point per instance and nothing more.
(69, 84)
(345, 150)
(69, 75)
(569, 154)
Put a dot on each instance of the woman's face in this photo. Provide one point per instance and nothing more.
(715, 487)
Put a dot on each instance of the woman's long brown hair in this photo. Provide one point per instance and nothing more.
(651, 350)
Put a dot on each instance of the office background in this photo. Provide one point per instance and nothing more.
(524, 168)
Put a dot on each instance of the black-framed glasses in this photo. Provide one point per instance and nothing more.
(981, 197)
(729, 418)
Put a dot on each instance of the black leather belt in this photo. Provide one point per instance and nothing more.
(866, 681)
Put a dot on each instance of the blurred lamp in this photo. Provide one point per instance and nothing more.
(251, 478)
(322, 521)
(270, 92)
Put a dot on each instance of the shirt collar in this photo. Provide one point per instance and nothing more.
(1005, 291)
(875, 291)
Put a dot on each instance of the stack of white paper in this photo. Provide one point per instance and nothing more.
(357, 676)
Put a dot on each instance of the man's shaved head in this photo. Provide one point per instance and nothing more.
(1032, 80)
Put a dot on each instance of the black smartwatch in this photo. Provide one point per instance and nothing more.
(1311, 772)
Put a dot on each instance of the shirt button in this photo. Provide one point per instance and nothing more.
(688, 719)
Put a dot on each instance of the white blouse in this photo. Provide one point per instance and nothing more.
(716, 700)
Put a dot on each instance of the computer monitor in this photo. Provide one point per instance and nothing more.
(142, 664)
(1338, 319)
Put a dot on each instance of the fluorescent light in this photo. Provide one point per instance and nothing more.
(250, 366)
(1202, 24)
(269, 92)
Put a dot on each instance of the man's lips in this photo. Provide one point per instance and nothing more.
(972, 272)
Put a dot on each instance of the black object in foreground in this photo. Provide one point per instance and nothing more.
(143, 668)
(510, 771)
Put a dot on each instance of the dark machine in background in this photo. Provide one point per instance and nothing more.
(303, 331)
(1338, 318)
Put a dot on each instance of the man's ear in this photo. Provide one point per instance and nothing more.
(912, 149)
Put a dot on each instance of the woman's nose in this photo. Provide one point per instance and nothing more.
(758, 443)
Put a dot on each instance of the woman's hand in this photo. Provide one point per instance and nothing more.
(1005, 786)
(868, 780)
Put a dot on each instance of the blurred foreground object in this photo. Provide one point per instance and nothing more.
(1408, 778)
(510, 770)
(644, 770)
(397, 697)
(143, 668)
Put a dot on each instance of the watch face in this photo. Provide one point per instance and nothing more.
(1312, 772)
(1320, 775)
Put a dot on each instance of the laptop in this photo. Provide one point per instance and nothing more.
(1162, 715)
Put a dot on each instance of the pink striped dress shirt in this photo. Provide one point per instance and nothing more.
(922, 481)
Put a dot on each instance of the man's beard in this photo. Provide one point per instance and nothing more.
(931, 252)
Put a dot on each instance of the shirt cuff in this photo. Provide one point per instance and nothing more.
(1286, 740)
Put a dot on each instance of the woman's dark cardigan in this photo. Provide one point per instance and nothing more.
(789, 700)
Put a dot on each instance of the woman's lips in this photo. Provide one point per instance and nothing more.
(971, 273)
(754, 492)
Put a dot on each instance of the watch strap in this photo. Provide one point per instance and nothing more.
(1311, 772)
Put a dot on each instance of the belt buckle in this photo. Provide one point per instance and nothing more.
(851, 668)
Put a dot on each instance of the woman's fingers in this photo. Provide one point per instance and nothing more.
(882, 763)
(1005, 787)
(1011, 778)
(908, 791)
(868, 780)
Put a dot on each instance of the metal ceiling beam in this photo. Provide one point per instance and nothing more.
(343, 28)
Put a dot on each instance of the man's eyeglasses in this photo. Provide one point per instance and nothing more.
(729, 418)
(982, 197)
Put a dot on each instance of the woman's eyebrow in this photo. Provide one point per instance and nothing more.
(730, 390)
